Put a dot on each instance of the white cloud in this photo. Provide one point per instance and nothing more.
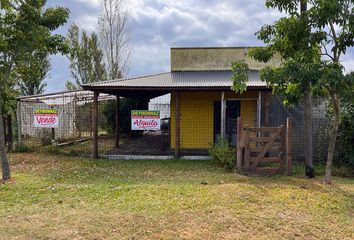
(87, 22)
(93, 3)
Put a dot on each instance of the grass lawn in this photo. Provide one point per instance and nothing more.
(58, 197)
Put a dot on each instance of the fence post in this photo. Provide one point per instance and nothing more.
(282, 148)
(289, 130)
(53, 132)
(117, 121)
(247, 146)
(239, 145)
(95, 125)
(19, 124)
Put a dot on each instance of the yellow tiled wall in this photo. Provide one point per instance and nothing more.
(197, 116)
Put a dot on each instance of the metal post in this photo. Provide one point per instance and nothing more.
(177, 124)
(259, 108)
(95, 125)
(239, 144)
(53, 131)
(223, 116)
(19, 124)
(117, 122)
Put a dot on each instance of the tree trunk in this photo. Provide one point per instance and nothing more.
(310, 172)
(5, 129)
(333, 138)
(10, 136)
(330, 153)
(309, 169)
(4, 162)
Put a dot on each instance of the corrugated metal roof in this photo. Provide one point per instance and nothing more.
(192, 79)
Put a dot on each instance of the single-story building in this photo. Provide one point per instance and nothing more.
(203, 108)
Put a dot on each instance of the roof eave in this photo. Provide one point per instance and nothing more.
(117, 88)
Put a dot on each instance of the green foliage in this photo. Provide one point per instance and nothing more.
(311, 43)
(32, 71)
(109, 111)
(86, 63)
(23, 148)
(53, 149)
(344, 154)
(25, 43)
(240, 77)
(223, 154)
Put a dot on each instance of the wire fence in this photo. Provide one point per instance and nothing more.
(204, 118)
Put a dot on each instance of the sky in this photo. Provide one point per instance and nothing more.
(158, 25)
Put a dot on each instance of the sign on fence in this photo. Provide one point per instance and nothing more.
(46, 118)
(145, 120)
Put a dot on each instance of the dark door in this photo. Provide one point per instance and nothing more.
(232, 112)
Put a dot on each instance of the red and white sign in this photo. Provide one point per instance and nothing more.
(145, 120)
(46, 118)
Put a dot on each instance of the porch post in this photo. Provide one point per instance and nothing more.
(239, 145)
(177, 125)
(266, 109)
(223, 116)
(117, 122)
(259, 109)
(95, 125)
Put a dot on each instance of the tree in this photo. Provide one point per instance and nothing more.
(32, 70)
(26, 29)
(86, 58)
(114, 34)
(302, 40)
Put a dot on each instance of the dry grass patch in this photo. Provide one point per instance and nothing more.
(56, 197)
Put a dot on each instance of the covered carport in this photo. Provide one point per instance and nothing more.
(213, 83)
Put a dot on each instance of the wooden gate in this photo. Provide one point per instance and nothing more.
(264, 150)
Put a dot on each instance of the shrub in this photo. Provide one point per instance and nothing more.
(344, 155)
(53, 149)
(223, 154)
(22, 149)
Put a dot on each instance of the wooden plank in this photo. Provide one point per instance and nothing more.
(247, 148)
(289, 130)
(263, 129)
(260, 149)
(262, 139)
(266, 149)
(177, 124)
(117, 122)
(73, 142)
(267, 171)
(267, 160)
(95, 125)
(239, 145)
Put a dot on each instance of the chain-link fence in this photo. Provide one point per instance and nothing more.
(204, 117)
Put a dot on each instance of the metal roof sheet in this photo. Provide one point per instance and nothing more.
(187, 79)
